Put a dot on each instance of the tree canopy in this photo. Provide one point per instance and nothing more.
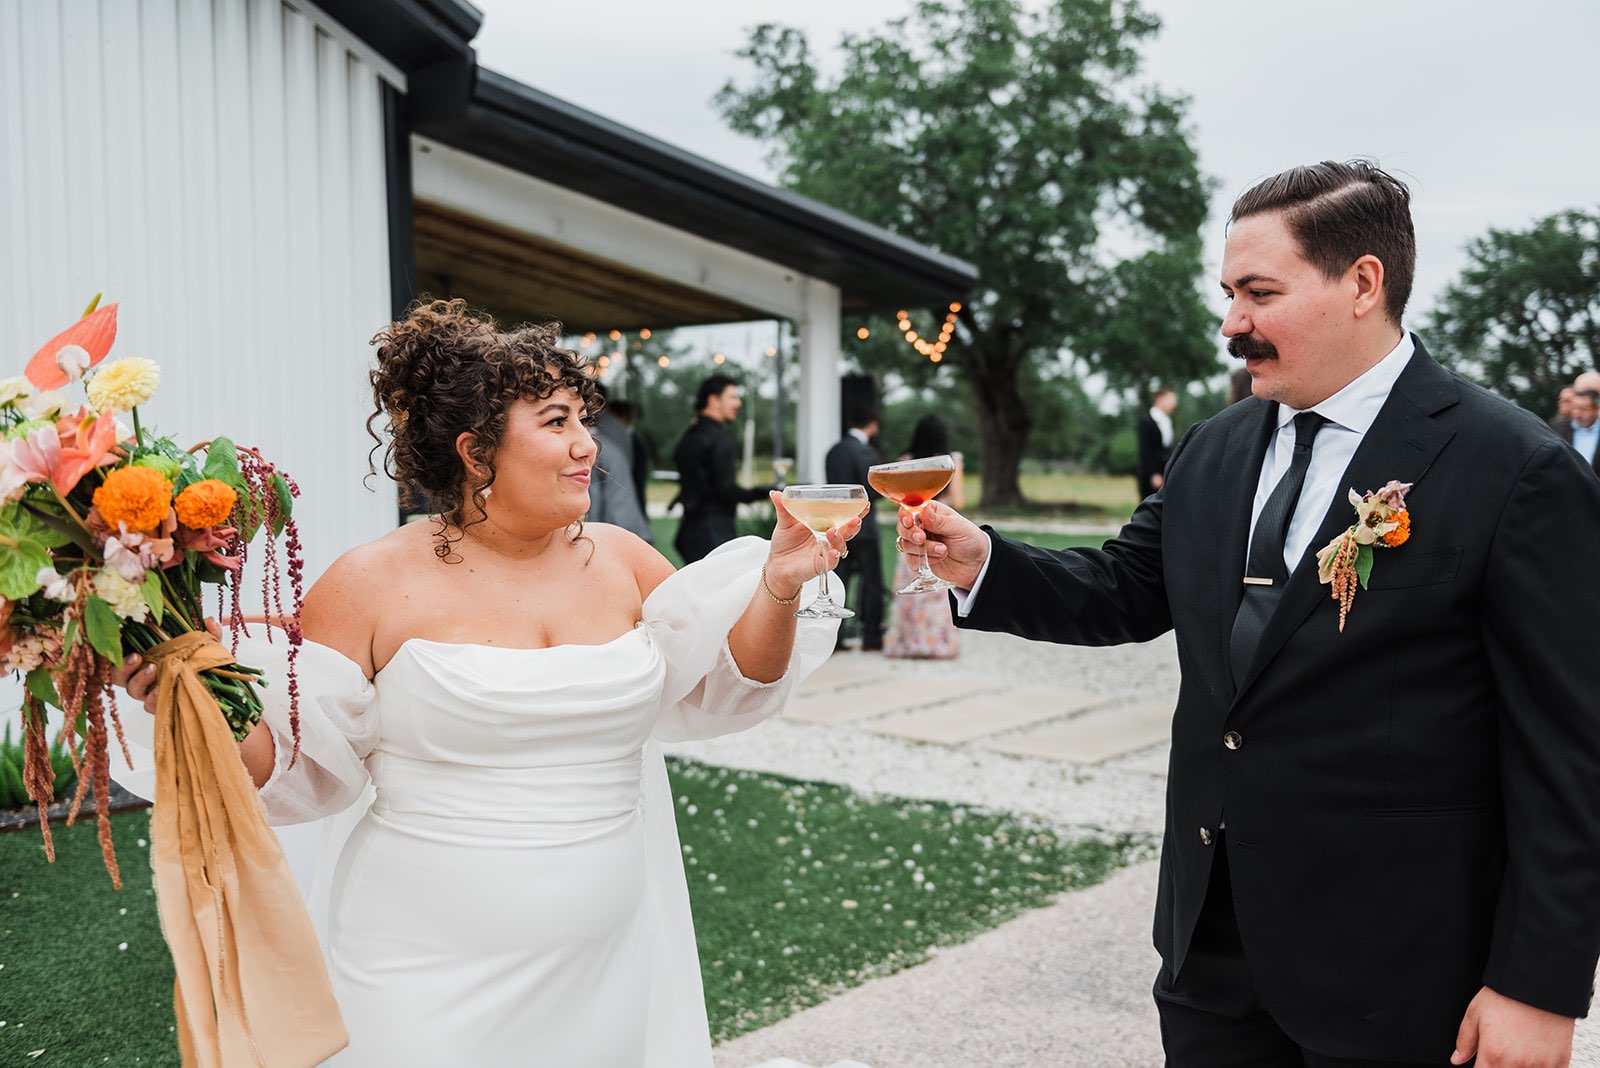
(1023, 142)
(1524, 316)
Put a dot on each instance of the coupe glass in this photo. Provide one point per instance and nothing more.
(912, 484)
(822, 508)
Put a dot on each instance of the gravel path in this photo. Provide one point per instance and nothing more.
(1067, 985)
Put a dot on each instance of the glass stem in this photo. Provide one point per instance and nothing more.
(924, 572)
(822, 547)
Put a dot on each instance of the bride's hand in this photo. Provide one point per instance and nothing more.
(139, 678)
(796, 556)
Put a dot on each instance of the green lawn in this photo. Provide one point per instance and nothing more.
(799, 890)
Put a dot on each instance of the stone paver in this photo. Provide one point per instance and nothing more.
(1095, 736)
(879, 698)
(842, 671)
(976, 717)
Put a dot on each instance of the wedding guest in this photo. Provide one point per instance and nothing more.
(611, 490)
(641, 455)
(1563, 407)
(1581, 428)
(846, 464)
(485, 690)
(1154, 434)
(1383, 832)
(708, 487)
(920, 626)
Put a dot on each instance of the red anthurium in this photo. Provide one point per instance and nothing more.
(94, 333)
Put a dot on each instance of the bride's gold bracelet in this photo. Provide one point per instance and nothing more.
(776, 599)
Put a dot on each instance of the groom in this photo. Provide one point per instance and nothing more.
(1382, 843)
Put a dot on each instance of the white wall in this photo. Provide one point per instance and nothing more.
(217, 167)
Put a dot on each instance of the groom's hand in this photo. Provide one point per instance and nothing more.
(955, 545)
(1505, 1033)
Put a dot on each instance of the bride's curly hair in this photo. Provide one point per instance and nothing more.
(444, 370)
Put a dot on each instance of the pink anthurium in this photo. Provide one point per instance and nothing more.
(94, 333)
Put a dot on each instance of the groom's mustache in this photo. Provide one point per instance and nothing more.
(1250, 347)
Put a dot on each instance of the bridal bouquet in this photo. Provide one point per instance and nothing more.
(109, 536)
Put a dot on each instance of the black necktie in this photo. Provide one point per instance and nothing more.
(1265, 574)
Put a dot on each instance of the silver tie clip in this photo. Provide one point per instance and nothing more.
(1248, 581)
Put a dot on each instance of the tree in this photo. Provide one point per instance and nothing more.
(1022, 143)
(1524, 317)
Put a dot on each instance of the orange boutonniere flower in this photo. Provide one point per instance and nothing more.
(1345, 562)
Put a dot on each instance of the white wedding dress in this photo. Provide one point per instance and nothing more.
(506, 886)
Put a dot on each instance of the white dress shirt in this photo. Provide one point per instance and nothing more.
(1350, 414)
(1584, 439)
(1163, 423)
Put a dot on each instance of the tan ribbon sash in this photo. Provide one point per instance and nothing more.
(251, 985)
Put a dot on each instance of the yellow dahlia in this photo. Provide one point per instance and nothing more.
(122, 385)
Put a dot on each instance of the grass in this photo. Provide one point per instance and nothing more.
(799, 890)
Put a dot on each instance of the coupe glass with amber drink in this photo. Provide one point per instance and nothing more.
(823, 507)
(912, 484)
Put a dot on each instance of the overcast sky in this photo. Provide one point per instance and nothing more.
(1489, 110)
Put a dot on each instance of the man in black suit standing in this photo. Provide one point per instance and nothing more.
(847, 463)
(1383, 827)
(707, 485)
(1581, 429)
(1154, 435)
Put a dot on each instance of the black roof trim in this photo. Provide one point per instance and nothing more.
(411, 34)
(537, 134)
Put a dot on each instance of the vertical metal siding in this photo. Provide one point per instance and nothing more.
(218, 167)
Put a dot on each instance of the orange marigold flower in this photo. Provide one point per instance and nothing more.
(205, 503)
(137, 496)
(1399, 534)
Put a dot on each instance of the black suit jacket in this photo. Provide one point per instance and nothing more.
(1414, 810)
(1563, 429)
(846, 464)
(1152, 453)
(708, 488)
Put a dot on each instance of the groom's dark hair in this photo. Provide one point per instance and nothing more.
(1339, 212)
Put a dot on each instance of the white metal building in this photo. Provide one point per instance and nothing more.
(262, 184)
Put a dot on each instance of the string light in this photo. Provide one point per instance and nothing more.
(772, 351)
(719, 358)
(863, 333)
(933, 350)
(616, 335)
(644, 335)
(605, 362)
(588, 340)
(663, 361)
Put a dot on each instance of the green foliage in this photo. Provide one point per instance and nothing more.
(28, 542)
(1524, 317)
(13, 794)
(1023, 142)
(103, 629)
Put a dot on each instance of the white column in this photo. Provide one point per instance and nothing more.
(817, 412)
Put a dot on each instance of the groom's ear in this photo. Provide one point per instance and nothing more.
(1367, 276)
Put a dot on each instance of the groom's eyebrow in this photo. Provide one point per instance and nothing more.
(1248, 280)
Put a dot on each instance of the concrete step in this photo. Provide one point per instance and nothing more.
(975, 717)
(880, 698)
(1094, 736)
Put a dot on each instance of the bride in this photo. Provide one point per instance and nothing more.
(481, 693)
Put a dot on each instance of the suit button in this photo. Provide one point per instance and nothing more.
(1232, 740)
(1205, 836)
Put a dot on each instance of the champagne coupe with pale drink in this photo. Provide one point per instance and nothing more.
(822, 508)
(912, 484)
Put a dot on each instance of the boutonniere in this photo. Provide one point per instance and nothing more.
(1381, 519)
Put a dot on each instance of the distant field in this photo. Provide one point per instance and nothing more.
(1112, 495)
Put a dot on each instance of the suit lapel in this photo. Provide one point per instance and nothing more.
(1235, 504)
(1401, 444)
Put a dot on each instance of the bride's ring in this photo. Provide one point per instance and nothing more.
(899, 544)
